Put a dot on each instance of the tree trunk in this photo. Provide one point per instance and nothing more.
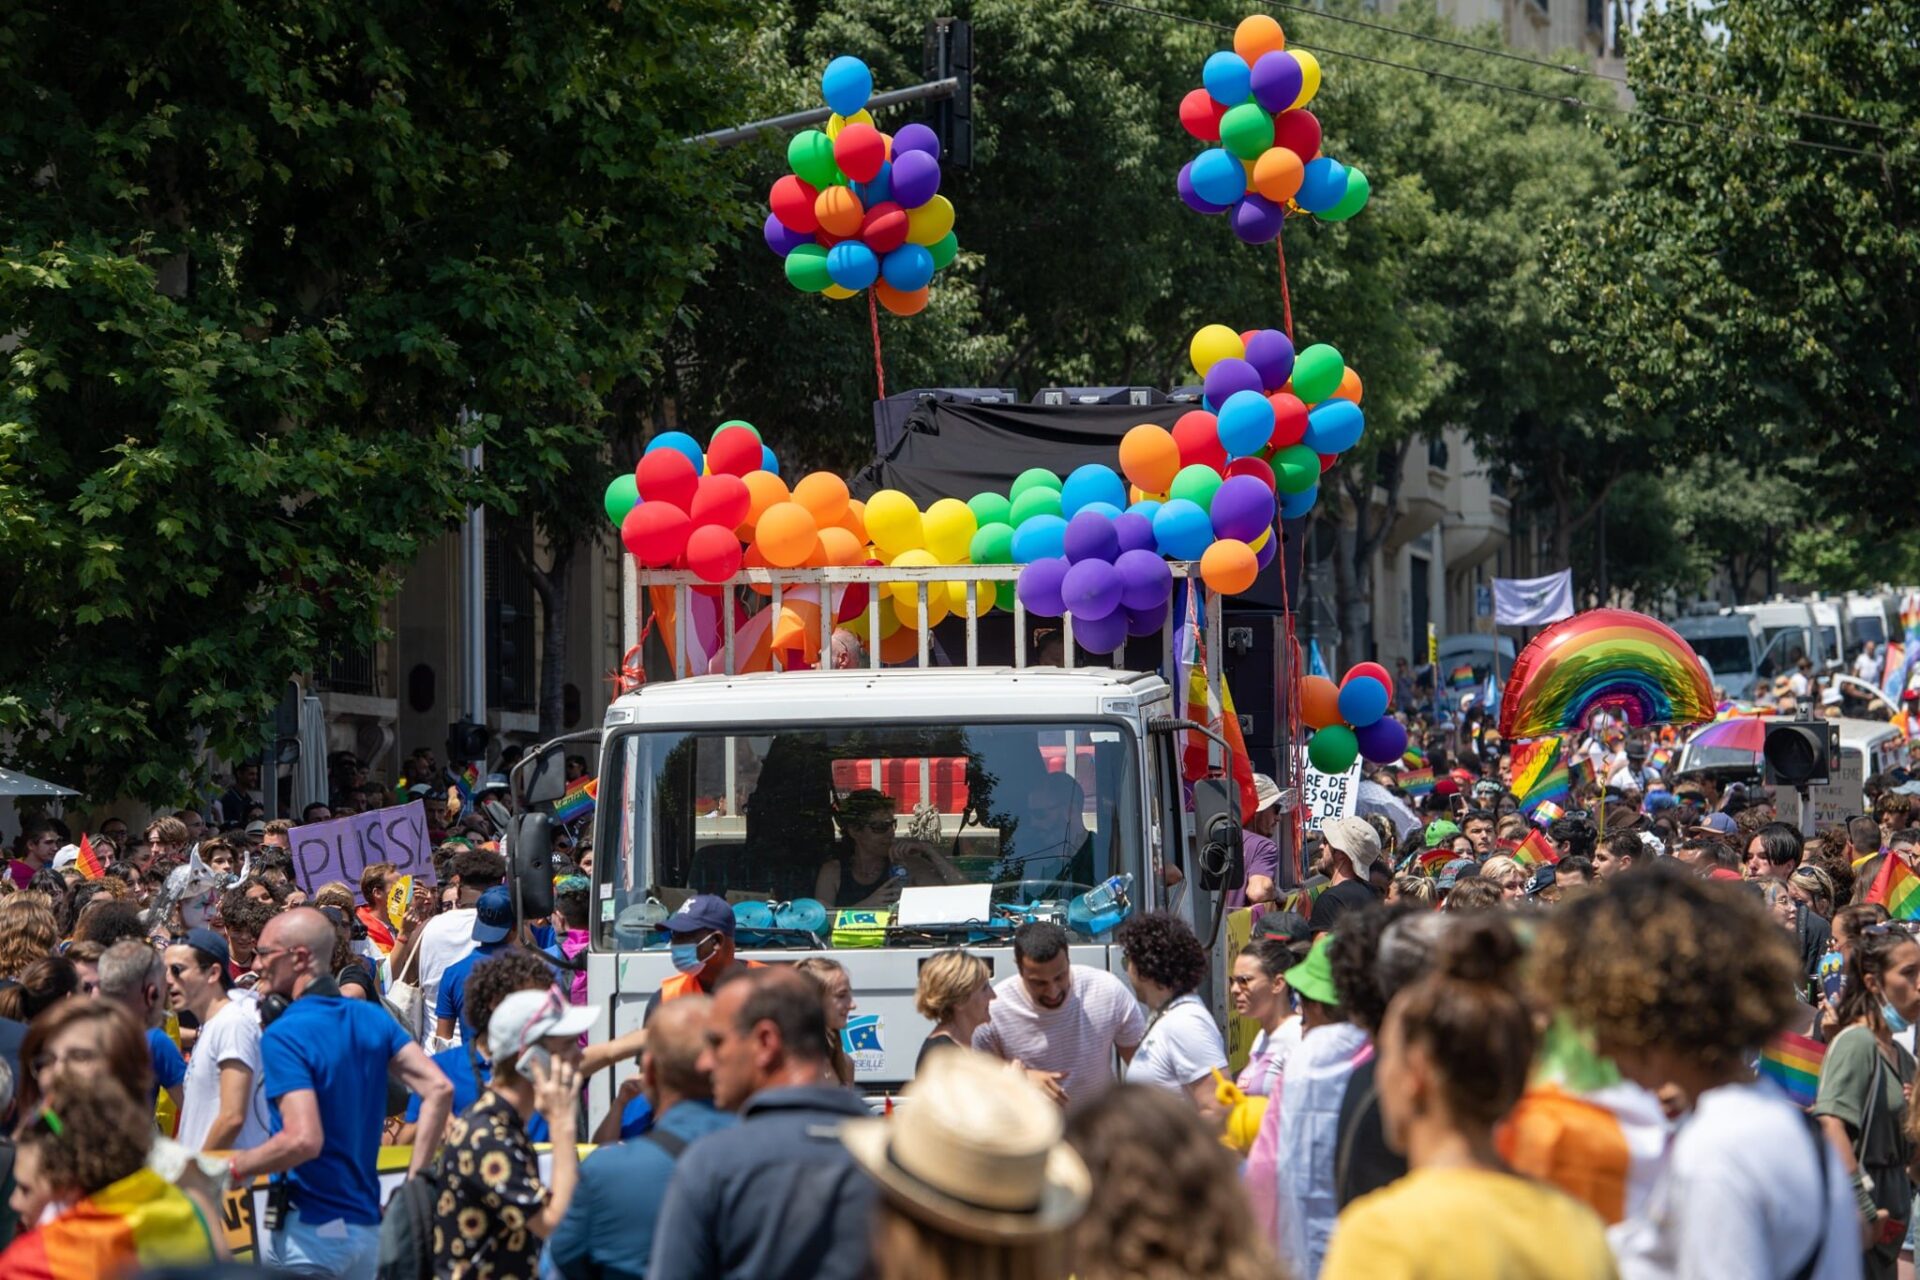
(554, 586)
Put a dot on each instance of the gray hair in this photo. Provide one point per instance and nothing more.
(126, 967)
(1407, 949)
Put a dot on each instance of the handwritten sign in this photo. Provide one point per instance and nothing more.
(1327, 796)
(342, 848)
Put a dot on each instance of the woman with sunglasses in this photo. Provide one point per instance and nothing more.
(871, 865)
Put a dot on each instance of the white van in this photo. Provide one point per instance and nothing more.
(1729, 643)
(1787, 634)
(1834, 641)
(1866, 620)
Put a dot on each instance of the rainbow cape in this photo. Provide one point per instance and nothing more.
(1793, 1063)
(1417, 782)
(1540, 773)
(578, 801)
(1897, 889)
(90, 866)
(1535, 850)
(139, 1222)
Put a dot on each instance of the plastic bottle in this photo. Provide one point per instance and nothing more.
(1103, 906)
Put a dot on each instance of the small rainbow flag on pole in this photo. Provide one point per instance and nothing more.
(1434, 859)
(1535, 851)
(1462, 676)
(91, 867)
(1548, 812)
(578, 802)
(1793, 1063)
(1417, 782)
(1897, 889)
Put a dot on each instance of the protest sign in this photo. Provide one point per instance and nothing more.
(1326, 796)
(340, 849)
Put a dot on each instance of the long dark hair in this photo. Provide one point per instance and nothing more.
(1871, 957)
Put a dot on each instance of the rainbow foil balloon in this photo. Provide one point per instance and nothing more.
(1613, 660)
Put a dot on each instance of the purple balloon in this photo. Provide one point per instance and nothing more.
(1145, 622)
(1384, 741)
(1242, 509)
(915, 178)
(1101, 635)
(1256, 219)
(1091, 536)
(1265, 555)
(782, 240)
(918, 137)
(1134, 530)
(1091, 590)
(1145, 580)
(1039, 587)
(1276, 81)
(1271, 352)
(1231, 375)
(1192, 197)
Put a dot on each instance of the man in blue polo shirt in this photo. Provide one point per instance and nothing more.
(325, 1061)
(492, 927)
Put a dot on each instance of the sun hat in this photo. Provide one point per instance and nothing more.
(525, 1018)
(1266, 793)
(974, 1151)
(1313, 977)
(1356, 838)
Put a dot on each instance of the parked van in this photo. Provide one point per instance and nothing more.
(1832, 626)
(1787, 634)
(1730, 644)
(1866, 620)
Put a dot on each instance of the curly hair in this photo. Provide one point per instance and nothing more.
(1664, 958)
(1167, 1202)
(1467, 1017)
(110, 920)
(1162, 948)
(28, 932)
(87, 1137)
(1353, 954)
(499, 976)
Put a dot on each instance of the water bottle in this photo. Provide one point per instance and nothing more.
(1103, 906)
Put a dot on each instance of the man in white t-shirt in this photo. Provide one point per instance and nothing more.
(448, 937)
(1867, 665)
(222, 1104)
(1059, 1018)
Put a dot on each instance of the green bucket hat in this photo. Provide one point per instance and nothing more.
(1313, 977)
(1441, 830)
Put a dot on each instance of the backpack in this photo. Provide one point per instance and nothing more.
(406, 1228)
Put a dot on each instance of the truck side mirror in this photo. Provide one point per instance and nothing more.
(1216, 823)
(547, 775)
(530, 863)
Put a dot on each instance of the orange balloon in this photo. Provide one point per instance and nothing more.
(899, 303)
(764, 489)
(1319, 702)
(1229, 567)
(855, 521)
(1277, 174)
(751, 558)
(1150, 457)
(824, 494)
(1257, 34)
(902, 646)
(786, 535)
(1350, 387)
(839, 211)
(841, 547)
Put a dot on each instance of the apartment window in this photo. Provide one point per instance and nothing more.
(511, 684)
(1437, 453)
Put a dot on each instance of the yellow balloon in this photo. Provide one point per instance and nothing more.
(904, 593)
(893, 522)
(1309, 78)
(1261, 541)
(835, 291)
(835, 123)
(1213, 344)
(949, 526)
(930, 223)
(983, 598)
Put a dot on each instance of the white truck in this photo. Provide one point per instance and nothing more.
(1015, 792)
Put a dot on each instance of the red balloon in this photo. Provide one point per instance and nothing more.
(1198, 436)
(860, 151)
(884, 228)
(1326, 462)
(1297, 131)
(1200, 115)
(1372, 671)
(1254, 467)
(665, 475)
(713, 552)
(721, 499)
(656, 532)
(792, 202)
(734, 452)
(1289, 420)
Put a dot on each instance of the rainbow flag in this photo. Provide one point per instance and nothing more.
(466, 782)
(1434, 859)
(1536, 850)
(1417, 782)
(1793, 1063)
(1660, 757)
(1540, 774)
(139, 1222)
(578, 801)
(1462, 676)
(1579, 769)
(91, 868)
(1548, 812)
(1897, 889)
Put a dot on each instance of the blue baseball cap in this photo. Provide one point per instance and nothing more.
(493, 915)
(1719, 822)
(701, 912)
(209, 942)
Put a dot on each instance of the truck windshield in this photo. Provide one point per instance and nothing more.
(868, 834)
(1726, 654)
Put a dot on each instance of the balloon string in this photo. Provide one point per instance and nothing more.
(873, 318)
(1293, 674)
(1286, 300)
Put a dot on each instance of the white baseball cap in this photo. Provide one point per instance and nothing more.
(525, 1018)
(69, 856)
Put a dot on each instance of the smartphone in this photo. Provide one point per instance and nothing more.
(534, 1057)
(1459, 805)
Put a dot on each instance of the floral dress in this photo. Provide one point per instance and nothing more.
(490, 1186)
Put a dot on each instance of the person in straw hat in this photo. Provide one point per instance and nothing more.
(977, 1180)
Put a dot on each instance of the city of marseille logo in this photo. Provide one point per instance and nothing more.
(861, 1038)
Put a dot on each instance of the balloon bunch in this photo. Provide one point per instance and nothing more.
(1268, 160)
(1350, 719)
(861, 209)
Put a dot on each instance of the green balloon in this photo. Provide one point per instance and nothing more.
(1358, 189)
(623, 494)
(810, 156)
(738, 422)
(1032, 477)
(807, 268)
(1197, 484)
(1036, 501)
(1333, 749)
(1317, 372)
(1296, 469)
(944, 248)
(992, 544)
(1247, 131)
(990, 508)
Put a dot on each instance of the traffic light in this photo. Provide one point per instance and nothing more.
(467, 741)
(949, 52)
(1798, 753)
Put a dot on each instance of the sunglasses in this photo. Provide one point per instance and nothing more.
(1908, 927)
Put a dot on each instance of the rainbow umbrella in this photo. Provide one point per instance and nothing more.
(1744, 733)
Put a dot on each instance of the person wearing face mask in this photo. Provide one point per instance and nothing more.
(702, 949)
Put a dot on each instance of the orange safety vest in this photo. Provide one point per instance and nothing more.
(688, 984)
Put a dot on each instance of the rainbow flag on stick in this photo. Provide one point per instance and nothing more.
(1462, 676)
(1897, 889)
(578, 801)
(1535, 851)
(1540, 773)
(1417, 782)
(1793, 1063)
(1435, 859)
(91, 867)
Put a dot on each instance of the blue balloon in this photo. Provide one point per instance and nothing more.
(769, 463)
(1246, 423)
(1295, 505)
(1145, 507)
(1039, 538)
(1363, 700)
(1334, 426)
(1184, 185)
(1228, 78)
(1323, 186)
(907, 268)
(1106, 509)
(879, 188)
(1091, 483)
(852, 265)
(846, 84)
(681, 443)
(1218, 177)
(1182, 531)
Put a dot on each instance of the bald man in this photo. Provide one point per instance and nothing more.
(324, 1060)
